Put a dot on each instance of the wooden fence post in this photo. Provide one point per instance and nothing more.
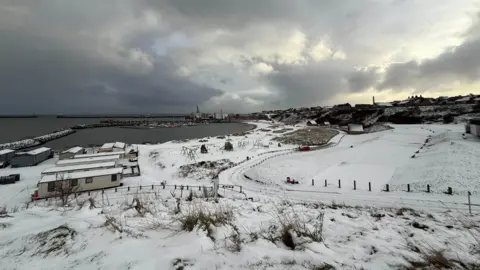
(354, 185)
(428, 188)
(325, 182)
(469, 203)
(152, 186)
(313, 182)
(387, 188)
(339, 184)
(175, 187)
(128, 188)
(241, 189)
(408, 187)
(369, 186)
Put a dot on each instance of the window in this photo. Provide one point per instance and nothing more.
(88, 180)
(114, 177)
(51, 186)
(74, 182)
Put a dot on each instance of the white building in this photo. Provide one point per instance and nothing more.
(475, 126)
(104, 154)
(70, 153)
(82, 167)
(355, 128)
(113, 147)
(79, 161)
(56, 184)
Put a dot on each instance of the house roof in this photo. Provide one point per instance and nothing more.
(312, 122)
(96, 155)
(78, 175)
(37, 151)
(6, 151)
(73, 150)
(79, 167)
(384, 104)
(83, 160)
(113, 145)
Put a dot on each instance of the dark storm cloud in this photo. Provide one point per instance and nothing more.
(363, 79)
(314, 83)
(461, 63)
(47, 66)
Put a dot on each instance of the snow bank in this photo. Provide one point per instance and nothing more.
(231, 234)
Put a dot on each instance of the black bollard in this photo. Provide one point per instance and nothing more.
(354, 185)
(339, 184)
(313, 182)
(325, 182)
(428, 188)
(369, 186)
(408, 187)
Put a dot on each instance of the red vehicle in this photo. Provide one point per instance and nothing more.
(304, 148)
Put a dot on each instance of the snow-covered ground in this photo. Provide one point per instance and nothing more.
(279, 226)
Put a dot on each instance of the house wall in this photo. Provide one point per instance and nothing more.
(99, 182)
(42, 157)
(23, 161)
(104, 150)
(475, 129)
(66, 155)
(7, 157)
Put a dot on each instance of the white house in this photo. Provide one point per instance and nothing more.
(82, 167)
(56, 184)
(113, 147)
(355, 128)
(93, 160)
(70, 153)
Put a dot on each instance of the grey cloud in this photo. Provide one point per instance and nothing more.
(312, 84)
(461, 63)
(48, 65)
(362, 79)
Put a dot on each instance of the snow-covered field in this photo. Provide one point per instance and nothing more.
(280, 226)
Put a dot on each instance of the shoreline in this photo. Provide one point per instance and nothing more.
(43, 139)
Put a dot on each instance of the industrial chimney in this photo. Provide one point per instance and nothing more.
(373, 100)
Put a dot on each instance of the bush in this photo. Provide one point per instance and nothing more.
(204, 218)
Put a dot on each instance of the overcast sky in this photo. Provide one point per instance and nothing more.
(157, 56)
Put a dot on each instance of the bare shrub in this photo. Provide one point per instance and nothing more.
(198, 217)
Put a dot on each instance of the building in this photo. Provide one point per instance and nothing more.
(80, 161)
(70, 153)
(31, 158)
(105, 154)
(475, 126)
(56, 184)
(355, 128)
(383, 104)
(82, 167)
(6, 155)
(113, 147)
(311, 123)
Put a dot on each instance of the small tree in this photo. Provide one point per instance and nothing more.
(64, 188)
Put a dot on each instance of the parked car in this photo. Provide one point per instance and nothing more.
(304, 148)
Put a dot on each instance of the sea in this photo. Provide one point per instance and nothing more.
(15, 129)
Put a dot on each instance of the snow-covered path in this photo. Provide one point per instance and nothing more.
(379, 158)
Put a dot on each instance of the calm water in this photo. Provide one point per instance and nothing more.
(23, 128)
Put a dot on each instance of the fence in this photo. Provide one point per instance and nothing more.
(145, 189)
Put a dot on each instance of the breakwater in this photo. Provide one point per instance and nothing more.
(17, 145)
